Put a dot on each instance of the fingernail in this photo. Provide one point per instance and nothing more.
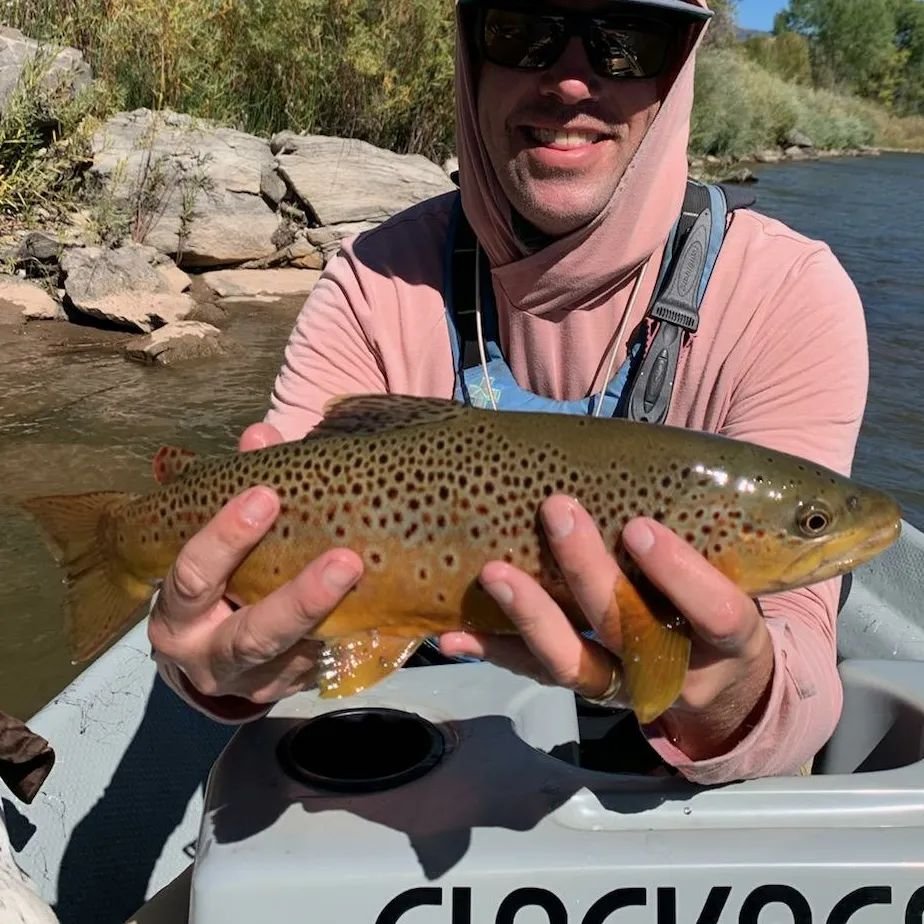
(638, 537)
(339, 576)
(258, 506)
(501, 591)
(457, 643)
(559, 520)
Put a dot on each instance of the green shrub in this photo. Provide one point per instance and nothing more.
(44, 141)
(380, 71)
(741, 108)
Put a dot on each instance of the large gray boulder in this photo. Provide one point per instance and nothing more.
(123, 288)
(247, 283)
(199, 186)
(796, 139)
(342, 180)
(63, 69)
(179, 342)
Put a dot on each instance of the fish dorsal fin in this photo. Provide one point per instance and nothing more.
(369, 414)
(170, 462)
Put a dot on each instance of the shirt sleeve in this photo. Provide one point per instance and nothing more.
(801, 388)
(329, 352)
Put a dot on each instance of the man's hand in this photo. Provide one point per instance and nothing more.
(258, 653)
(731, 662)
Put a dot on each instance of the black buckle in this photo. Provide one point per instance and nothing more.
(677, 312)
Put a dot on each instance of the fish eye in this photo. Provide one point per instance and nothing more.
(814, 520)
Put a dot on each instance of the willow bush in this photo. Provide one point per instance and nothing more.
(741, 108)
(380, 71)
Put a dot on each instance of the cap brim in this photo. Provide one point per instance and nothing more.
(689, 10)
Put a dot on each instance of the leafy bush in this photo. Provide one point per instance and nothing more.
(380, 71)
(741, 108)
(44, 141)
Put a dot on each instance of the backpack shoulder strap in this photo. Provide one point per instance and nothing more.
(689, 259)
(460, 294)
(674, 309)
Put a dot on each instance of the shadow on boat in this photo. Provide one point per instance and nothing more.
(438, 809)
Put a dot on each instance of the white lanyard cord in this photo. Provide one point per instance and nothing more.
(613, 353)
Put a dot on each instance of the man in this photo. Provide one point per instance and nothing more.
(573, 124)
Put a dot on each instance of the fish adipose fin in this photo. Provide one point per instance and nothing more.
(101, 597)
(655, 649)
(353, 663)
(368, 414)
(170, 462)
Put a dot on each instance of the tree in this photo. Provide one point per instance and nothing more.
(723, 27)
(909, 39)
(852, 42)
(786, 54)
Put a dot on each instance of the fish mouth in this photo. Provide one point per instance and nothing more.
(835, 556)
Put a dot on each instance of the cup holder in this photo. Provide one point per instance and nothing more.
(361, 750)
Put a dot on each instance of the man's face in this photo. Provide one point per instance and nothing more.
(560, 139)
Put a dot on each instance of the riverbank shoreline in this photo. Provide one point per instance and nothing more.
(739, 170)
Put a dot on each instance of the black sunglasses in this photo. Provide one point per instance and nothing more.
(617, 45)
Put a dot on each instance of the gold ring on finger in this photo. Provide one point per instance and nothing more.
(610, 696)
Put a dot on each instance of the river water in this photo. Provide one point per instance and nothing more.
(75, 416)
(868, 211)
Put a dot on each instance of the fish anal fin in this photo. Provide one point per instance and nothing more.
(353, 663)
(655, 648)
(368, 414)
(102, 595)
(170, 462)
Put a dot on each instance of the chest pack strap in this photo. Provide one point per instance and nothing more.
(462, 308)
(690, 256)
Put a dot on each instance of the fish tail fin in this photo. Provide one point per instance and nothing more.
(102, 595)
(353, 663)
(655, 650)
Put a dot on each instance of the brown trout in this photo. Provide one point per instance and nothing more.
(427, 491)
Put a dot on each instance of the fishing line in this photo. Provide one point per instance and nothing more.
(619, 335)
(481, 352)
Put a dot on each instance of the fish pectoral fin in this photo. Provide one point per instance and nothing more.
(102, 596)
(170, 462)
(655, 649)
(353, 663)
(367, 414)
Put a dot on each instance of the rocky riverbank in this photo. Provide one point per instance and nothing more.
(178, 219)
(182, 219)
